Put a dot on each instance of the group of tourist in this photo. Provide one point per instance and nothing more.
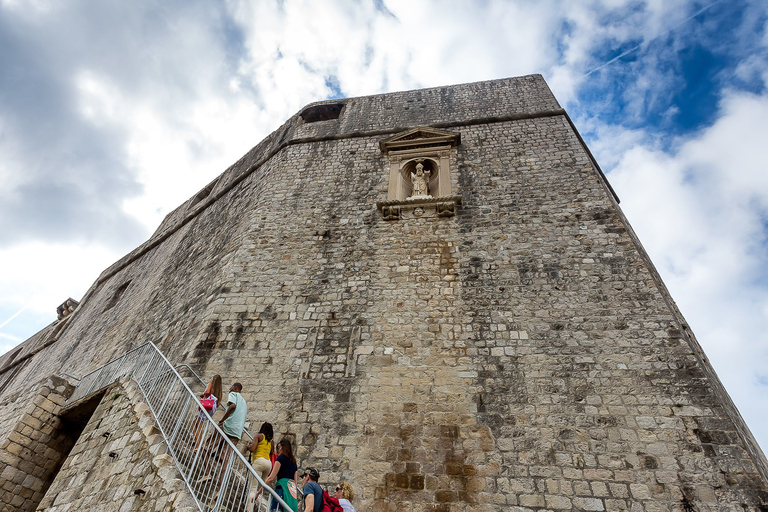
(274, 463)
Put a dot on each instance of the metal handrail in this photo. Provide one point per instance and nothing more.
(190, 370)
(65, 374)
(230, 485)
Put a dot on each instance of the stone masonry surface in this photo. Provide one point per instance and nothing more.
(119, 452)
(520, 354)
(35, 444)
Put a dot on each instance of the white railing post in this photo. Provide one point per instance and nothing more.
(165, 400)
(179, 421)
(94, 381)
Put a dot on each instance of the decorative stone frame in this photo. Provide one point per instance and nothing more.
(431, 148)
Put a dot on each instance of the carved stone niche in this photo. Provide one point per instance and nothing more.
(419, 174)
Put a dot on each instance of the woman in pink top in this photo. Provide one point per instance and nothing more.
(212, 390)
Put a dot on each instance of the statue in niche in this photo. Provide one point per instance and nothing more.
(420, 178)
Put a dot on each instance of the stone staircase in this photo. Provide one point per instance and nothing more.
(169, 413)
(119, 460)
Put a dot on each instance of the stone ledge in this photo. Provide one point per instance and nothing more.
(442, 206)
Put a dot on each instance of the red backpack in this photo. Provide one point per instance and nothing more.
(330, 504)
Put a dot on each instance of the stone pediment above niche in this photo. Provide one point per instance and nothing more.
(420, 173)
(419, 137)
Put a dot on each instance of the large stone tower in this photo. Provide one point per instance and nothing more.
(434, 293)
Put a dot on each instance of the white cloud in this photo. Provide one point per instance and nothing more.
(39, 276)
(44, 275)
(28, 8)
(293, 47)
(701, 213)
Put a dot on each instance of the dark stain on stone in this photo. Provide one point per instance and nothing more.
(447, 260)
(552, 270)
(689, 496)
(712, 437)
(648, 461)
(526, 271)
(239, 342)
(212, 334)
(202, 350)
(416, 482)
(601, 216)
(449, 431)
(409, 461)
(606, 421)
(268, 314)
(549, 457)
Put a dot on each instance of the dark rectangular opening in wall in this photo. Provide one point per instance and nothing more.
(204, 193)
(322, 112)
(43, 436)
(78, 414)
(117, 296)
(73, 422)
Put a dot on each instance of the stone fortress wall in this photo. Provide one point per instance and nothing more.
(522, 352)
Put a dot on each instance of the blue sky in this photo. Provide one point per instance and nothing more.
(113, 113)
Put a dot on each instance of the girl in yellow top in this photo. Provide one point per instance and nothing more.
(261, 447)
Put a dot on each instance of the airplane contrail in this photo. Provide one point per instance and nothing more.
(13, 316)
(624, 54)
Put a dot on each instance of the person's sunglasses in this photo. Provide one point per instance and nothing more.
(305, 475)
(338, 489)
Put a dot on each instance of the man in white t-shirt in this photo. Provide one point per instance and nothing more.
(233, 421)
